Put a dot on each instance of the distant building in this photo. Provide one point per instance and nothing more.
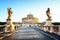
(29, 19)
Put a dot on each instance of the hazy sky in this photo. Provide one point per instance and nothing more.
(38, 8)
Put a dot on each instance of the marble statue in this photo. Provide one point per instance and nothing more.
(48, 13)
(9, 13)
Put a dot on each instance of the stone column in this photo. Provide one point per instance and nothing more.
(45, 29)
(51, 29)
(42, 27)
(59, 31)
(5, 29)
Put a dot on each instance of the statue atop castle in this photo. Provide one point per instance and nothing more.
(9, 13)
(48, 13)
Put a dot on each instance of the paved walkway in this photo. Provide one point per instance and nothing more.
(2, 35)
(28, 33)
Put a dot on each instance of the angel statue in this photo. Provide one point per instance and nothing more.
(48, 13)
(9, 13)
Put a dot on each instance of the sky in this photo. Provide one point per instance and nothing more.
(21, 8)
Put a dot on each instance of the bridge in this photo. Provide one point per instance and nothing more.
(29, 33)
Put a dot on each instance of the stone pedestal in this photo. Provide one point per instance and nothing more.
(48, 22)
(11, 25)
(9, 21)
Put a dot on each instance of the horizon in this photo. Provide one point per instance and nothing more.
(21, 8)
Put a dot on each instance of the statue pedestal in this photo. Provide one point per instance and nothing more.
(11, 25)
(48, 25)
(9, 21)
(48, 22)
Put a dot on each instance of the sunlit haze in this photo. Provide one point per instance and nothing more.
(21, 8)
